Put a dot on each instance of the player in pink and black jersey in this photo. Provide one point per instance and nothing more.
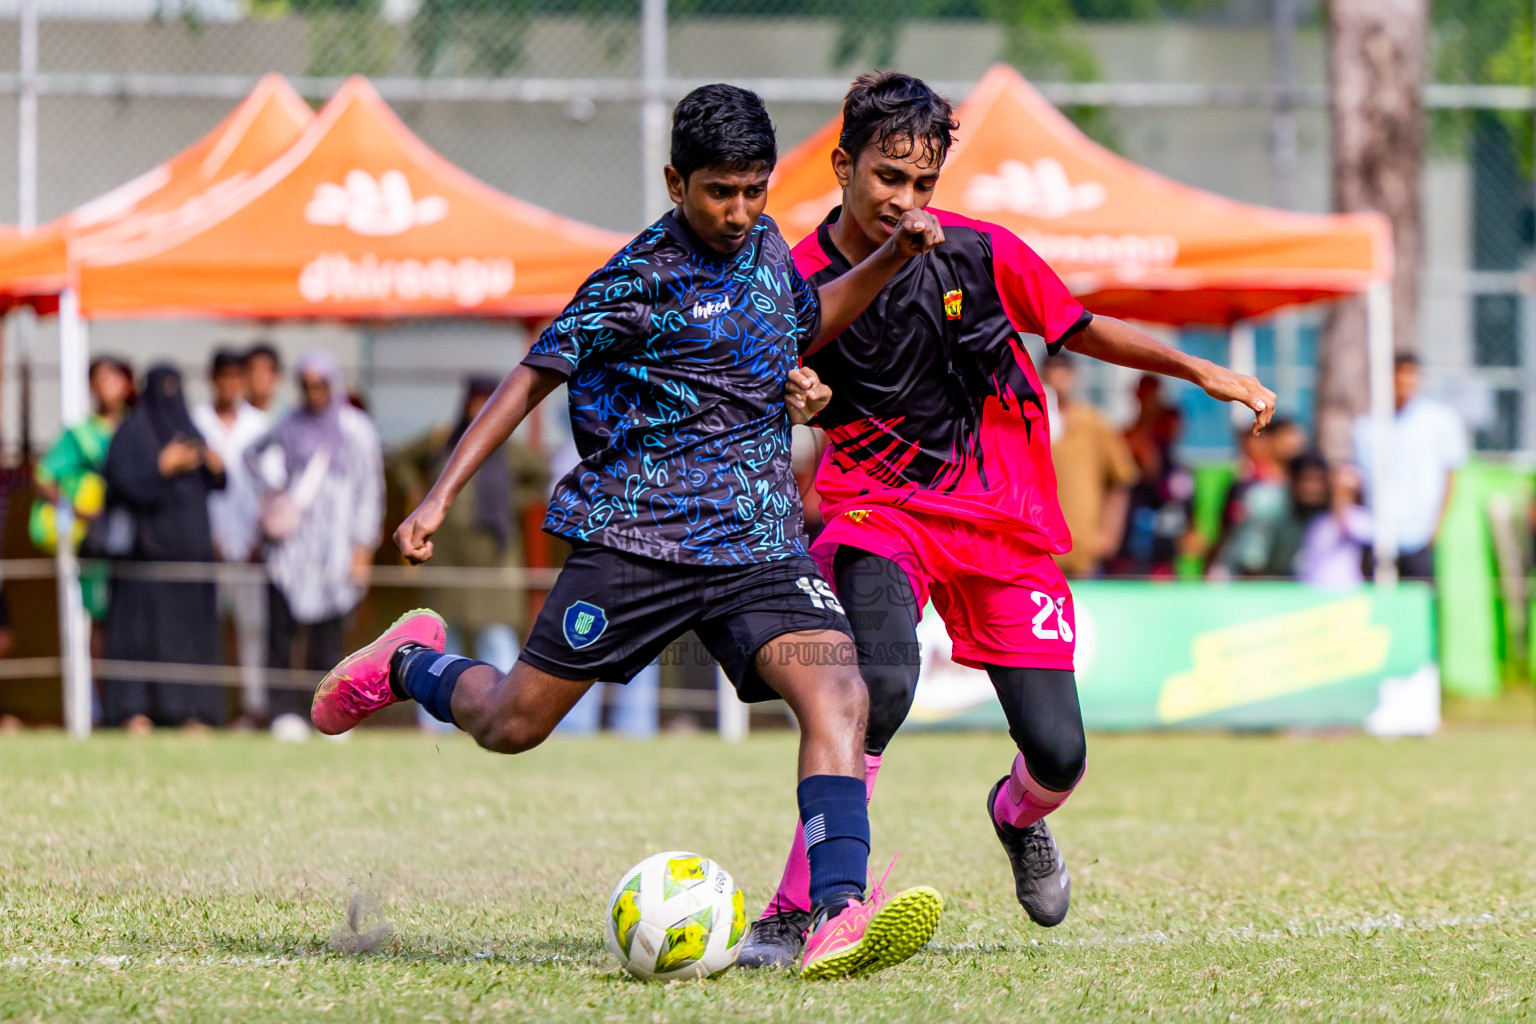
(937, 484)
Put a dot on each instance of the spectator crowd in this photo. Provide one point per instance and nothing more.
(1288, 513)
(296, 493)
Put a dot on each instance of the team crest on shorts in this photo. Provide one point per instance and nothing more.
(858, 515)
(584, 623)
(952, 300)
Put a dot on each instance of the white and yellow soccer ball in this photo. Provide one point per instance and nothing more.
(676, 915)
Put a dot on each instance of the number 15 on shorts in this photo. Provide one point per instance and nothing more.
(820, 593)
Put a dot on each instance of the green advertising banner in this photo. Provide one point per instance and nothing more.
(1474, 633)
(1237, 655)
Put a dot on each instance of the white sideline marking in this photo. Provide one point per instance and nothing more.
(1245, 933)
(113, 963)
(1252, 933)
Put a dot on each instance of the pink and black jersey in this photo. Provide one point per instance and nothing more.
(936, 406)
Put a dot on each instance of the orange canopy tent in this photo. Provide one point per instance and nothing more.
(358, 219)
(266, 123)
(27, 258)
(35, 270)
(354, 218)
(1131, 243)
(1128, 242)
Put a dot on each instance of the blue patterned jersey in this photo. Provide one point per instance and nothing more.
(676, 360)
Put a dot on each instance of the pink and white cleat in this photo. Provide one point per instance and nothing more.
(359, 686)
(870, 936)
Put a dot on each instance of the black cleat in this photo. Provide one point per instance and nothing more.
(776, 940)
(1040, 878)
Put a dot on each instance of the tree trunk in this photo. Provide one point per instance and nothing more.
(1376, 58)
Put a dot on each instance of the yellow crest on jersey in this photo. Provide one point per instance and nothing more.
(952, 301)
(858, 515)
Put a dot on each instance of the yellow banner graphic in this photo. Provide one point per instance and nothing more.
(1275, 656)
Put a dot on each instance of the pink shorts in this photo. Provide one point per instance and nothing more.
(1003, 601)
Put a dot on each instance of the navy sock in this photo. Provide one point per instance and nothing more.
(428, 677)
(836, 820)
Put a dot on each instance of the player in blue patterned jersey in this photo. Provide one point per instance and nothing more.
(676, 359)
(680, 355)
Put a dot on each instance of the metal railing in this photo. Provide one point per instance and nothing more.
(720, 701)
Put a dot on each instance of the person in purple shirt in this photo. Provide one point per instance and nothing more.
(1335, 541)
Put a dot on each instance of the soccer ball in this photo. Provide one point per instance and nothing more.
(676, 915)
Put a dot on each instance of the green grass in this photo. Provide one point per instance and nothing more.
(193, 878)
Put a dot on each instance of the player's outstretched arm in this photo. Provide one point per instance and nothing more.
(1115, 341)
(844, 299)
(517, 396)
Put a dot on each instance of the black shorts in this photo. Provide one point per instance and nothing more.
(610, 614)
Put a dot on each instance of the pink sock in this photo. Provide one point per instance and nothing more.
(1021, 801)
(795, 885)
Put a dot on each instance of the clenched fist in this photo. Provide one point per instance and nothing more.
(414, 536)
(917, 232)
(805, 395)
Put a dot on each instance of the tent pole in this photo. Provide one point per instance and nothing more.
(1283, 133)
(26, 197)
(1242, 356)
(74, 628)
(26, 346)
(26, 116)
(653, 108)
(1287, 360)
(1378, 318)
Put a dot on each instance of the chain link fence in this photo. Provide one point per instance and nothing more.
(548, 100)
(1481, 273)
(544, 99)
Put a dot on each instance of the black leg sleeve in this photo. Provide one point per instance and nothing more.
(877, 596)
(1044, 721)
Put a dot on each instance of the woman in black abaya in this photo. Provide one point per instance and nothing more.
(160, 472)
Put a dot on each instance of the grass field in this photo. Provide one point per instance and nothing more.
(209, 878)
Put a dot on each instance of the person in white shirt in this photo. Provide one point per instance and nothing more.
(263, 378)
(322, 512)
(1429, 443)
(229, 424)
